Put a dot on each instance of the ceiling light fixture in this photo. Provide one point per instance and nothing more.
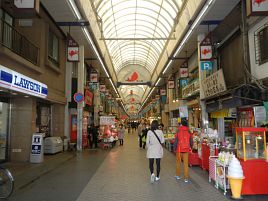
(87, 34)
(184, 40)
(159, 79)
(75, 9)
(190, 31)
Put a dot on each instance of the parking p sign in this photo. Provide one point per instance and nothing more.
(206, 65)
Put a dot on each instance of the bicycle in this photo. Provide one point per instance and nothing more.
(6, 183)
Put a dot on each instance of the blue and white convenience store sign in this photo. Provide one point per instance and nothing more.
(10, 79)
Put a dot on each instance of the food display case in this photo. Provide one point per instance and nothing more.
(251, 148)
(250, 143)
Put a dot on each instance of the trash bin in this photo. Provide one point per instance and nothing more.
(37, 148)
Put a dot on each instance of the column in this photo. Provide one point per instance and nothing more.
(80, 89)
(204, 114)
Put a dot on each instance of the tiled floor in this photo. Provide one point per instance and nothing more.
(121, 173)
(124, 175)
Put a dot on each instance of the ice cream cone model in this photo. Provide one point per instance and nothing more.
(236, 186)
(235, 176)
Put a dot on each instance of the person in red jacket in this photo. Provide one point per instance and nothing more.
(182, 148)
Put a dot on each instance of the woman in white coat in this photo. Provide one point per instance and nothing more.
(154, 141)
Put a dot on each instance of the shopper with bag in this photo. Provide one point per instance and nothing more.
(182, 147)
(141, 127)
(154, 141)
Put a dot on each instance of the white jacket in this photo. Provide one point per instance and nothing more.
(154, 148)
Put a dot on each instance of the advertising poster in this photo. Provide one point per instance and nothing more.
(73, 128)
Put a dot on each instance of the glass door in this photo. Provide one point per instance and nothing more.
(4, 131)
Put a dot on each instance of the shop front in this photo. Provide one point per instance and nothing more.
(4, 128)
(18, 100)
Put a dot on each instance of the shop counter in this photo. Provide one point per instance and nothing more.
(256, 177)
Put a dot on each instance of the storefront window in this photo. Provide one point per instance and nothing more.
(43, 119)
(4, 116)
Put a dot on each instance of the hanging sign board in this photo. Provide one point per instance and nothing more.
(72, 49)
(93, 77)
(257, 7)
(102, 88)
(183, 72)
(191, 89)
(107, 120)
(206, 48)
(206, 65)
(88, 97)
(183, 111)
(206, 52)
(171, 84)
(24, 4)
(214, 84)
(183, 82)
(163, 92)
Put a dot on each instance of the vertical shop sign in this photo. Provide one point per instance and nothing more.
(84, 132)
(163, 92)
(72, 49)
(88, 97)
(206, 65)
(183, 72)
(183, 83)
(93, 77)
(257, 7)
(102, 88)
(183, 111)
(171, 84)
(206, 49)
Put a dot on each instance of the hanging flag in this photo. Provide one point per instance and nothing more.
(72, 49)
(93, 77)
(102, 88)
(162, 92)
(183, 72)
(171, 84)
(88, 97)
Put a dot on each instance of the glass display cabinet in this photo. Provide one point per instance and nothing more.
(250, 143)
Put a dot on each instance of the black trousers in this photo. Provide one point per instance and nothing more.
(151, 165)
(140, 141)
(121, 141)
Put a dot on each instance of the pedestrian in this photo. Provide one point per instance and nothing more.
(121, 134)
(141, 127)
(154, 141)
(182, 146)
(144, 135)
(93, 136)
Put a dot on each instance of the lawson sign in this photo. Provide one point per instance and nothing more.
(10, 79)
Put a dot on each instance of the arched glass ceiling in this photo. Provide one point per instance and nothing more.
(130, 28)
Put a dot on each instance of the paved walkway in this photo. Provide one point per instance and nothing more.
(121, 173)
(124, 175)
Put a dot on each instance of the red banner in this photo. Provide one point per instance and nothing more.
(88, 97)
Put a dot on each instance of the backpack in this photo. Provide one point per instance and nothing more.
(184, 141)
